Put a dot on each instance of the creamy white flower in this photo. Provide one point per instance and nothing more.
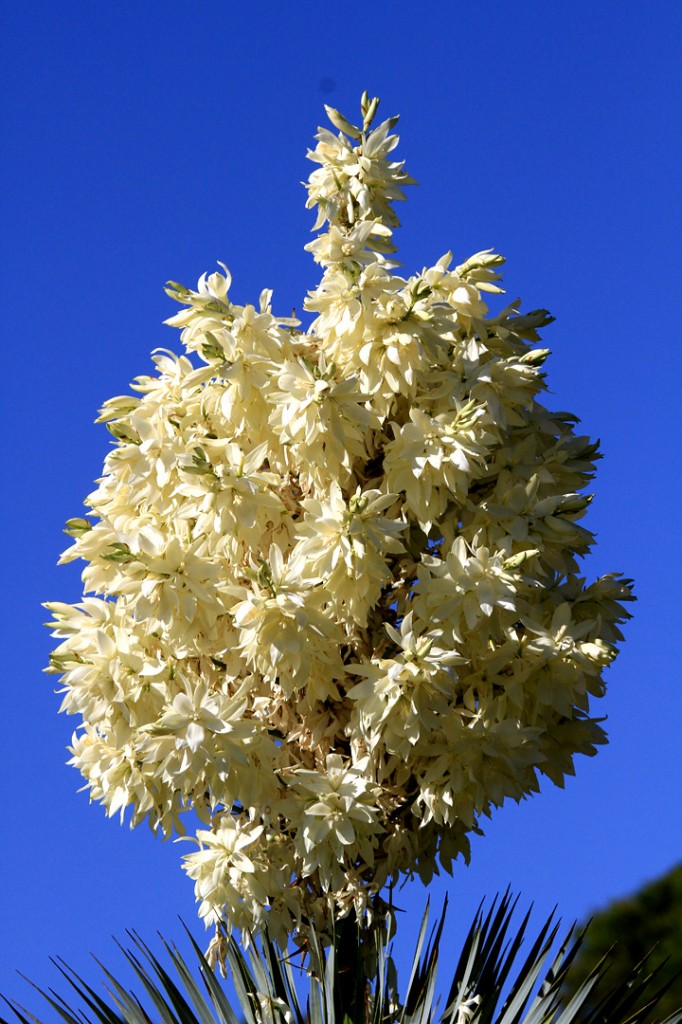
(346, 545)
(333, 598)
(335, 816)
(322, 422)
(434, 461)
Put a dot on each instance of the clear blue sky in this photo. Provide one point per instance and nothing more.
(146, 141)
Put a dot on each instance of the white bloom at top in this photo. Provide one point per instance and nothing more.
(333, 603)
(356, 182)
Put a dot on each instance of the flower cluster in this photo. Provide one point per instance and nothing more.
(333, 608)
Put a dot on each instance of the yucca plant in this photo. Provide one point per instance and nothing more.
(334, 614)
(352, 982)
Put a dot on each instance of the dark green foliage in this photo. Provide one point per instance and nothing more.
(355, 982)
(649, 922)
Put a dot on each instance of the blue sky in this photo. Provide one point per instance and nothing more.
(146, 141)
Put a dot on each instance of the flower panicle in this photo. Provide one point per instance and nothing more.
(333, 592)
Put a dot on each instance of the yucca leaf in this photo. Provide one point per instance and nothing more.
(182, 1008)
(57, 1003)
(193, 990)
(381, 994)
(410, 995)
(220, 1003)
(569, 1012)
(544, 1005)
(132, 1010)
(284, 986)
(619, 1003)
(529, 974)
(353, 981)
(243, 983)
(102, 1010)
(18, 1012)
(165, 1007)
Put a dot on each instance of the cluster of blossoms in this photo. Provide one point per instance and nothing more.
(333, 603)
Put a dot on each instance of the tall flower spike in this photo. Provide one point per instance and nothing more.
(333, 592)
(354, 189)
